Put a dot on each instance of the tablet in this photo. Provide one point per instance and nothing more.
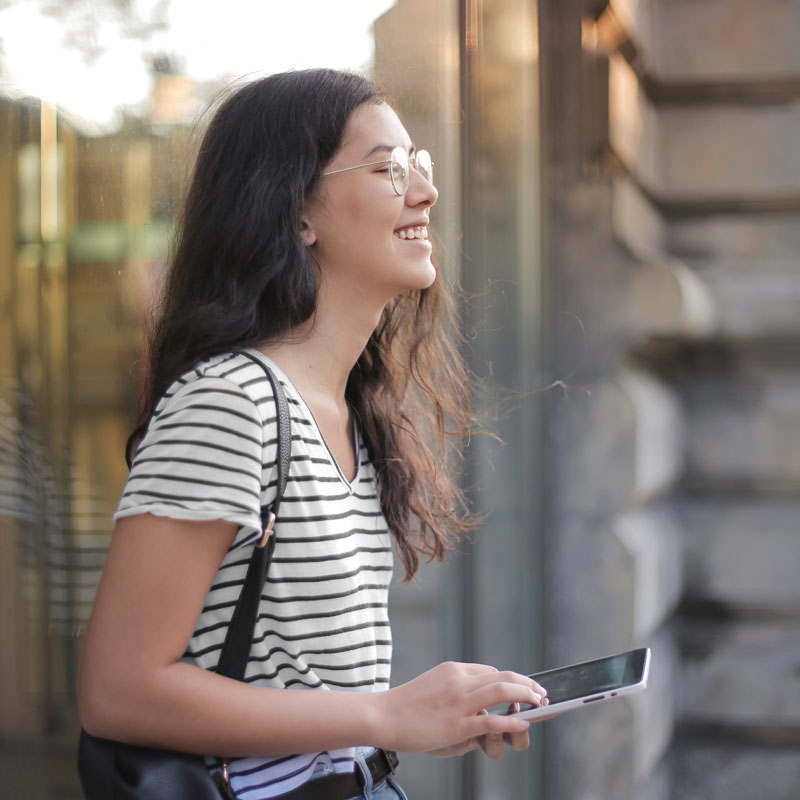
(590, 682)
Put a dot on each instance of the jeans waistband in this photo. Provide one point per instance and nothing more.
(380, 764)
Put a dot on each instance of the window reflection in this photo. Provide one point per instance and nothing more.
(90, 181)
(91, 177)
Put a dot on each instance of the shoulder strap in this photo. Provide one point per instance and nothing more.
(235, 651)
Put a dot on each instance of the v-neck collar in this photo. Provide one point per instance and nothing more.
(350, 484)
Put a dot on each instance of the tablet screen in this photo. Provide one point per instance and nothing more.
(591, 677)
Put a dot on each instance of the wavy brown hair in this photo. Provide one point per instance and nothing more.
(242, 276)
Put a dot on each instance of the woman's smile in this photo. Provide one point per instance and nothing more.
(413, 233)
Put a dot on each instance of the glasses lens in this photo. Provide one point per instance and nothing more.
(424, 165)
(399, 170)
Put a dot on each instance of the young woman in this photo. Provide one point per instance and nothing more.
(303, 244)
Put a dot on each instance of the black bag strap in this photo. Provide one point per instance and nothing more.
(236, 649)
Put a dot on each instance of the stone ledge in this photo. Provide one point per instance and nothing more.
(658, 432)
(753, 299)
(715, 40)
(652, 539)
(632, 421)
(631, 579)
(657, 786)
(747, 160)
(636, 222)
(708, 771)
(669, 299)
(666, 296)
(680, 154)
(742, 554)
(741, 412)
(755, 237)
(741, 674)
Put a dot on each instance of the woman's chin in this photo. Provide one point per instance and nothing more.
(423, 276)
(411, 278)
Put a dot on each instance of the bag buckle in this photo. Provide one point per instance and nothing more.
(269, 529)
(223, 782)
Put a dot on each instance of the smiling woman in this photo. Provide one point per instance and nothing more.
(299, 255)
(98, 100)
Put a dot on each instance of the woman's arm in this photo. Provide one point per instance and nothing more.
(133, 688)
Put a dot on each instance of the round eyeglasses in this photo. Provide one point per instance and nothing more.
(399, 165)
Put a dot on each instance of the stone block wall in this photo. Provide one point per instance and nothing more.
(672, 203)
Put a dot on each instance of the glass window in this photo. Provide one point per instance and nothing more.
(99, 110)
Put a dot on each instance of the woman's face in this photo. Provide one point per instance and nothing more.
(358, 227)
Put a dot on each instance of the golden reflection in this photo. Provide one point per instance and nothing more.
(87, 216)
(626, 112)
(48, 171)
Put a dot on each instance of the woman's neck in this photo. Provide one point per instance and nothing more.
(319, 355)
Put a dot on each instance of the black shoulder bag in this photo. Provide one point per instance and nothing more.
(114, 771)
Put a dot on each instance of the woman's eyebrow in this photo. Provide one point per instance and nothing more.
(388, 148)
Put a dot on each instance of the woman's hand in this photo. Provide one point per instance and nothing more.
(493, 744)
(443, 711)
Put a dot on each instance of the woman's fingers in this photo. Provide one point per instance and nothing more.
(538, 688)
(492, 743)
(520, 740)
(505, 688)
(490, 675)
(480, 725)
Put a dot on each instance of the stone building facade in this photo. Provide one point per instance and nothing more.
(672, 203)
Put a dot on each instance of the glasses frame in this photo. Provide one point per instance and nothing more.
(400, 157)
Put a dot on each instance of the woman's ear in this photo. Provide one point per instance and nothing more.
(309, 236)
(309, 216)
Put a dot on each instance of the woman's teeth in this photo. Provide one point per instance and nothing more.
(413, 233)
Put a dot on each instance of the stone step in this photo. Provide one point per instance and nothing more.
(705, 770)
(753, 299)
(691, 154)
(652, 540)
(741, 677)
(713, 40)
(742, 555)
(630, 568)
(651, 293)
(742, 407)
(633, 421)
(754, 237)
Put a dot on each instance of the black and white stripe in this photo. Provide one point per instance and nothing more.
(209, 453)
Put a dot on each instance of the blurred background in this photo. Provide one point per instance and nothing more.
(619, 199)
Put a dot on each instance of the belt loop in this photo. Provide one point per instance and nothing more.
(365, 775)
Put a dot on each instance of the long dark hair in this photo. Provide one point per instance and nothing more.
(242, 275)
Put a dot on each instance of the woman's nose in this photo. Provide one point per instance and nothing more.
(420, 191)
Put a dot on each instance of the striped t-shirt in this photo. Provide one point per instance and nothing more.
(210, 453)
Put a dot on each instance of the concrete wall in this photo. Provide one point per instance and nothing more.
(672, 202)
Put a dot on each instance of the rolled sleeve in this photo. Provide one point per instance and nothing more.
(201, 458)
